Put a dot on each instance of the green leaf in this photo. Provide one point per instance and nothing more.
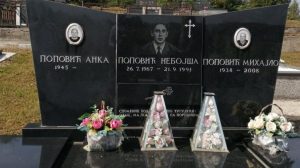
(83, 128)
(83, 116)
(106, 128)
(257, 132)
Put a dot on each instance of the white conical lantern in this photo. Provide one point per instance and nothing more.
(157, 133)
(208, 133)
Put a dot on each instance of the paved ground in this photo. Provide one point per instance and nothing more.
(15, 44)
(290, 107)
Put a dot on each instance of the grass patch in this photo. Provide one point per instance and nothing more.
(18, 93)
(292, 23)
(291, 58)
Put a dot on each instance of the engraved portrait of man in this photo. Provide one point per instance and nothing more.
(159, 46)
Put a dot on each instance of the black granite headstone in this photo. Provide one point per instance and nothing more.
(71, 78)
(243, 79)
(143, 68)
(118, 60)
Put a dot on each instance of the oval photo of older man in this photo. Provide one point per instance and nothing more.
(242, 38)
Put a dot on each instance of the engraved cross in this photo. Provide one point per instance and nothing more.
(190, 25)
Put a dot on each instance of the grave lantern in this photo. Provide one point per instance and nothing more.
(157, 133)
(208, 133)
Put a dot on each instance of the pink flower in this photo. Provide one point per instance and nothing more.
(102, 113)
(207, 121)
(156, 116)
(115, 123)
(162, 115)
(85, 121)
(169, 140)
(159, 106)
(166, 131)
(97, 124)
(150, 141)
(158, 132)
(152, 132)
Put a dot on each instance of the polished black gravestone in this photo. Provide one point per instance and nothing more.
(243, 79)
(32, 152)
(117, 61)
(280, 159)
(71, 78)
(143, 69)
(130, 156)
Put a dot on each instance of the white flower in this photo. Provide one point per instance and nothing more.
(213, 118)
(259, 117)
(271, 126)
(211, 103)
(286, 127)
(157, 124)
(282, 119)
(216, 135)
(251, 124)
(216, 141)
(259, 123)
(272, 116)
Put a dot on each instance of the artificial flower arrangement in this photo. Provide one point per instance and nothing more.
(267, 127)
(104, 128)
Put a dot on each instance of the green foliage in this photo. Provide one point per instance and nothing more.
(83, 116)
(259, 3)
(293, 13)
(230, 5)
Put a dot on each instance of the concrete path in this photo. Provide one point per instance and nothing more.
(290, 108)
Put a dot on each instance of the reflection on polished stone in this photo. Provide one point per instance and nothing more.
(210, 159)
(130, 156)
(159, 159)
(98, 160)
(279, 159)
(30, 152)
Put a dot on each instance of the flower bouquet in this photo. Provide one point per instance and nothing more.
(270, 130)
(103, 127)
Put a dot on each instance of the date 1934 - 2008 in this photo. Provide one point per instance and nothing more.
(244, 70)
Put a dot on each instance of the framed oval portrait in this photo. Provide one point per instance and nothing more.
(242, 38)
(74, 34)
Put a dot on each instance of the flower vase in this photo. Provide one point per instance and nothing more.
(281, 143)
(266, 142)
(262, 140)
(104, 143)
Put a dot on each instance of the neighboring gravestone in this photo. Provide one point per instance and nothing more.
(82, 56)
